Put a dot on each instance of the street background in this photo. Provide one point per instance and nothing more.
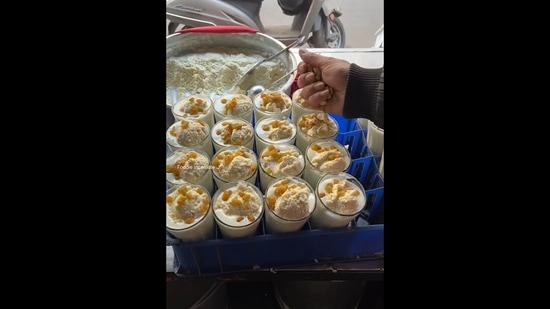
(361, 19)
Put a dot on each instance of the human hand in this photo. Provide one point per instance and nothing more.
(333, 72)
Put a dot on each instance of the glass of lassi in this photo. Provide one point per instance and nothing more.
(315, 126)
(272, 103)
(274, 130)
(196, 108)
(290, 202)
(340, 197)
(232, 132)
(280, 160)
(238, 209)
(299, 106)
(325, 156)
(188, 213)
(233, 106)
(234, 163)
(189, 165)
(189, 133)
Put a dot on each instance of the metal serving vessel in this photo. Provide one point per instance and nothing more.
(244, 39)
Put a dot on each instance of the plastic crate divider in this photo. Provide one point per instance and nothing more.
(344, 125)
(374, 202)
(363, 169)
(352, 141)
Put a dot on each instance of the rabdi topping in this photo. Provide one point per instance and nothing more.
(241, 202)
(235, 133)
(317, 125)
(328, 159)
(189, 166)
(187, 203)
(235, 164)
(289, 200)
(276, 162)
(274, 101)
(279, 129)
(189, 133)
(236, 105)
(194, 106)
(341, 196)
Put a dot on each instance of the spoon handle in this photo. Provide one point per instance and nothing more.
(298, 41)
(283, 77)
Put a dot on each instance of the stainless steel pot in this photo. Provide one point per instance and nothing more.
(231, 37)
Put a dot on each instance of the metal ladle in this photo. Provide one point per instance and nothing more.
(297, 42)
(256, 89)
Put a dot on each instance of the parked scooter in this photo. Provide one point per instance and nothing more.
(311, 18)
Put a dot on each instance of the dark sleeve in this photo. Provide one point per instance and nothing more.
(365, 94)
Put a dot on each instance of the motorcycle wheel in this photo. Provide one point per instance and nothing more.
(335, 38)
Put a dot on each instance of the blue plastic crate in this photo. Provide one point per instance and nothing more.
(362, 239)
(264, 251)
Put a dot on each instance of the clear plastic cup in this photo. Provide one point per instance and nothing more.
(196, 108)
(325, 156)
(340, 198)
(274, 130)
(189, 133)
(189, 214)
(233, 106)
(280, 160)
(189, 165)
(375, 138)
(290, 202)
(313, 127)
(234, 163)
(270, 103)
(232, 132)
(298, 108)
(238, 209)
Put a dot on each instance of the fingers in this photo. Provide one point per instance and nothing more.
(303, 68)
(316, 95)
(306, 79)
(318, 100)
(311, 89)
(311, 58)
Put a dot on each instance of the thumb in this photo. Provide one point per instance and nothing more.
(311, 58)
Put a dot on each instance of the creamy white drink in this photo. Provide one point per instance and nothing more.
(188, 213)
(315, 126)
(274, 130)
(278, 161)
(189, 165)
(234, 163)
(299, 106)
(238, 209)
(340, 198)
(325, 156)
(233, 106)
(196, 108)
(232, 132)
(290, 202)
(272, 103)
(189, 133)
